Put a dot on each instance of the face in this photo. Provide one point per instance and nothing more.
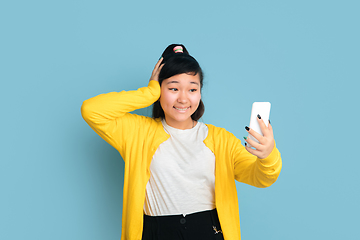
(180, 97)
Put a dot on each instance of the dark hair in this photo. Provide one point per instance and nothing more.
(174, 64)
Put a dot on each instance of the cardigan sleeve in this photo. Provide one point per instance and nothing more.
(108, 114)
(252, 170)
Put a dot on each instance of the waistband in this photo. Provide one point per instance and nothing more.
(180, 218)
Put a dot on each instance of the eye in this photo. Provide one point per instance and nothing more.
(193, 90)
(173, 89)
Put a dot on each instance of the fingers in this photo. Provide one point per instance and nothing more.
(159, 62)
(161, 66)
(266, 142)
(259, 150)
(259, 154)
(270, 127)
(252, 151)
(157, 69)
(256, 135)
(258, 145)
(158, 72)
(253, 143)
(157, 65)
(266, 130)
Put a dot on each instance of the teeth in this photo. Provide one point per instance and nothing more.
(181, 109)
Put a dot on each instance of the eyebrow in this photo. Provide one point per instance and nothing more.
(178, 82)
(172, 82)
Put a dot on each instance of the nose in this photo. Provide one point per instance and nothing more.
(182, 97)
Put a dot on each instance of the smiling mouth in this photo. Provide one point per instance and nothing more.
(182, 109)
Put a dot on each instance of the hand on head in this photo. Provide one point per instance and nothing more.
(170, 51)
(156, 71)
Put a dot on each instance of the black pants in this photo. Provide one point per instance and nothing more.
(196, 226)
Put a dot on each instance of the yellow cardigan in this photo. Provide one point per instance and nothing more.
(137, 138)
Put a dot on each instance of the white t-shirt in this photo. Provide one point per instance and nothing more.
(182, 179)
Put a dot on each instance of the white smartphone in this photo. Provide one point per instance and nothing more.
(262, 109)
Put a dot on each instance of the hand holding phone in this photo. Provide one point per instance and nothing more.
(260, 132)
(261, 109)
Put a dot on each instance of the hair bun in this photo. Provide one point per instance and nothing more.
(178, 49)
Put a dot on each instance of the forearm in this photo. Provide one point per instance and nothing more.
(108, 114)
(258, 172)
(109, 106)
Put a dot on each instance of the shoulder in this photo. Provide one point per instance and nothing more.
(143, 121)
(130, 123)
(138, 128)
(221, 141)
(220, 138)
(218, 131)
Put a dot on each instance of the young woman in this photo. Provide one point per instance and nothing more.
(179, 172)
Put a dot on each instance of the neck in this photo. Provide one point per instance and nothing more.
(188, 124)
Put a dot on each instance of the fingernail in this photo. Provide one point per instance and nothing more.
(245, 138)
(160, 58)
(247, 128)
(259, 117)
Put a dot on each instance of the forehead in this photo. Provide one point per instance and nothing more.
(184, 78)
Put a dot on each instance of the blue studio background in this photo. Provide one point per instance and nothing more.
(59, 180)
